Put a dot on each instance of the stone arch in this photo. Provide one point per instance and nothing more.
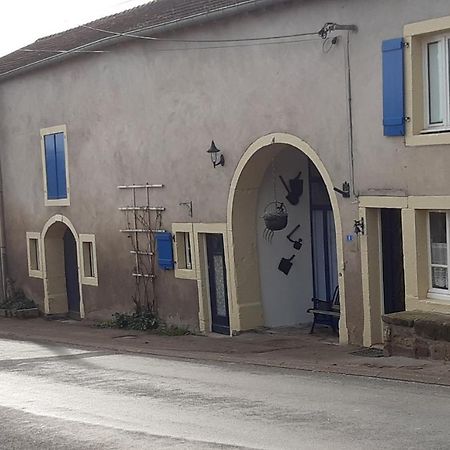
(245, 296)
(55, 294)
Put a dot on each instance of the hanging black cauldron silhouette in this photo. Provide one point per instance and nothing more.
(275, 219)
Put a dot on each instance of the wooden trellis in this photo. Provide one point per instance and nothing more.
(143, 221)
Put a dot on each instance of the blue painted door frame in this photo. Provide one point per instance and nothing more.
(71, 271)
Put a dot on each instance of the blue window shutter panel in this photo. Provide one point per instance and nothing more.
(50, 167)
(164, 250)
(60, 165)
(393, 88)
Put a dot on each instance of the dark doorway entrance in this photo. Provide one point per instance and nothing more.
(217, 284)
(71, 272)
(324, 255)
(392, 253)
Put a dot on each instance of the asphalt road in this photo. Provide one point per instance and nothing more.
(54, 397)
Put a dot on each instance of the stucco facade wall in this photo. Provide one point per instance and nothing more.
(145, 111)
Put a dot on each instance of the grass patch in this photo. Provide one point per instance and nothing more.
(139, 322)
(146, 321)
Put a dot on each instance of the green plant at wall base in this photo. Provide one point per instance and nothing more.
(140, 322)
(17, 300)
(143, 322)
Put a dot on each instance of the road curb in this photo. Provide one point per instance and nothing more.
(309, 367)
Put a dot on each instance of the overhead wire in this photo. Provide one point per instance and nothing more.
(211, 47)
(200, 41)
(42, 50)
(227, 44)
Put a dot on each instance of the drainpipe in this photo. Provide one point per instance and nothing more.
(3, 263)
(348, 83)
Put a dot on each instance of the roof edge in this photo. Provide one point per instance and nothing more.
(195, 19)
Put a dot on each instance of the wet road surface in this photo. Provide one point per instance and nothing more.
(56, 397)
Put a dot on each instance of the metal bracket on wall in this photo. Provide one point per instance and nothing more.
(329, 27)
(345, 191)
(358, 226)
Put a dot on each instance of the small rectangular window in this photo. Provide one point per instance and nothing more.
(438, 242)
(54, 158)
(88, 259)
(34, 255)
(187, 251)
(184, 250)
(89, 274)
(184, 254)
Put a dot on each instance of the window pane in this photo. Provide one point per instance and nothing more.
(434, 85)
(34, 254)
(50, 167)
(88, 259)
(439, 277)
(60, 165)
(438, 237)
(187, 251)
(220, 287)
(447, 67)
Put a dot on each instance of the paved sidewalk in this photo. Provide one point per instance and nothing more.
(288, 348)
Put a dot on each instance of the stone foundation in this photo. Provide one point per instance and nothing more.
(417, 334)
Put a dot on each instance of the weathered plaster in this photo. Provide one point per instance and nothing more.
(143, 113)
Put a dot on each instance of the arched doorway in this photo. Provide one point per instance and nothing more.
(256, 295)
(62, 286)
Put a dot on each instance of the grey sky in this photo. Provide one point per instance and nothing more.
(22, 22)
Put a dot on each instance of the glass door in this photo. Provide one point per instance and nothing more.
(217, 276)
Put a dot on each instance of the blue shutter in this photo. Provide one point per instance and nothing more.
(164, 250)
(50, 166)
(60, 165)
(393, 88)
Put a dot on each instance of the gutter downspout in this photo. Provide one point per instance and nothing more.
(348, 82)
(195, 19)
(3, 260)
(351, 150)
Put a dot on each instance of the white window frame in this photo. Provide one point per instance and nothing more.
(88, 280)
(415, 34)
(442, 40)
(441, 294)
(180, 231)
(44, 132)
(38, 272)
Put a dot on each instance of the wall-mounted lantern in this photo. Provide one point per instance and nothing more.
(217, 160)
